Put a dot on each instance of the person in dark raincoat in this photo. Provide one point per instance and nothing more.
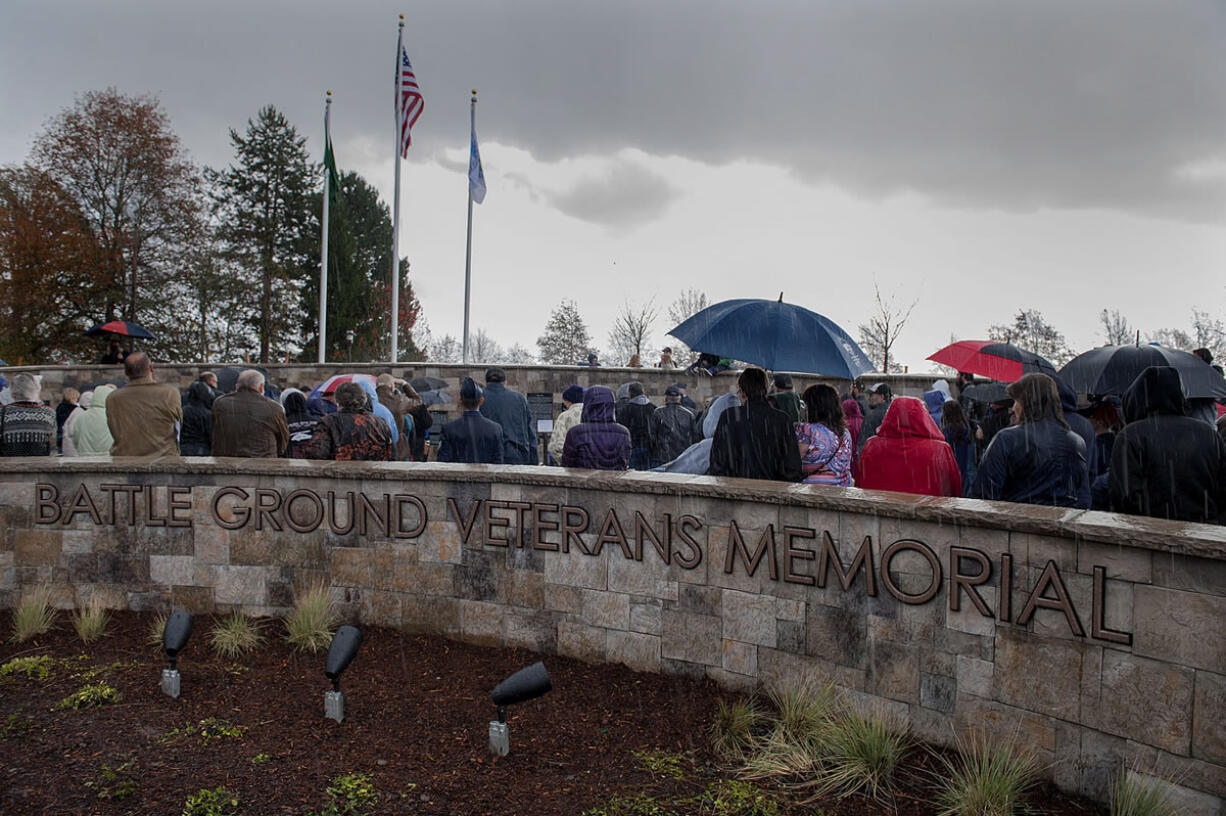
(1164, 463)
(597, 442)
(472, 438)
(1038, 460)
(754, 440)
(196, 432)
(509, 408)
(909, 454)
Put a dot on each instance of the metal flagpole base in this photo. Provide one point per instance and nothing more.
(500, 738)
(170, 683)
(334, 705)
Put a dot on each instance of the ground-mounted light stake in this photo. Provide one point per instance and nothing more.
(174, 637)
(526, 684)
(340, 654)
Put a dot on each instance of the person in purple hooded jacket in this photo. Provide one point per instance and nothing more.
(597, 442)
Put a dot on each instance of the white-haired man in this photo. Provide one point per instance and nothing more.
(248, 424)
(27, 427)
(144, 416)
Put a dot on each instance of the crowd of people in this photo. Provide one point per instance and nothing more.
(1148, 453)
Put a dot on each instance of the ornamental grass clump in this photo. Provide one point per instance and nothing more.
(309, 627)
(987, 778)
(1134, 794)
(34, 615)
(235, 635)
(157, 629)
(735, 726)
(863, 751)
(90, 621)
(796, 746)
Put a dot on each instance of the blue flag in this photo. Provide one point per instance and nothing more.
(476, 176)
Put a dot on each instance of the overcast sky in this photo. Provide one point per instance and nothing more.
(979, 157)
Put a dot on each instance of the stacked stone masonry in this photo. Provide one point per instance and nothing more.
(1097, 638)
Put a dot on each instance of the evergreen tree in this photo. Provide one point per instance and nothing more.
(262, 205)
(566, 340)
(1031, 331)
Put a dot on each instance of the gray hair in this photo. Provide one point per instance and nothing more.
(25, 388)
(250, 380)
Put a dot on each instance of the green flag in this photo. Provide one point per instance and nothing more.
(333, 180)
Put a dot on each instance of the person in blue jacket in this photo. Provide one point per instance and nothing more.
(472, 438)
(509, 408)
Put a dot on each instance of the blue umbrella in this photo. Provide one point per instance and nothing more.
(775, 335)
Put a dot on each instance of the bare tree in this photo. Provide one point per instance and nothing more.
(689, 303)
(518, 355)
(878, 335)
(484, 349)
(1031, 331)
(566, 340)
(1171, 338)
(1209, 332)
(1116, 330)
(631, 330)
(446, 349)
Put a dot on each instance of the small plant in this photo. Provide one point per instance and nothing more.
(350, 795)
(804, 711)
(260, 759)
(1137, 795)
(732, 732)
(638, 805)
(988, 778)
(309, 627)
(660, 763)
(215, 802)
(210, 729)
(235, 635)
(115, 783)
(15, 727)
(737, 798)
(34, 615)
(35, 667)
(95, 694)
(157, 630)
(862, 754)
(90, 621)
(778, 757)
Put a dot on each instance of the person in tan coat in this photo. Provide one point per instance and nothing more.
(248, 424)
(144, 416)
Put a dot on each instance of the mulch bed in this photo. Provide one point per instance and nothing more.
(417, 711)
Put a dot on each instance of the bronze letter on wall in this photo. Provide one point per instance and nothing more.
(863, 559)
(934, 563)
(1050, 579)
(737, 544)
(241, 514)
(46, 506)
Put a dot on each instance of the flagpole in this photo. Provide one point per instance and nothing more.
(323, 249)
(396, 203)
(468, 251)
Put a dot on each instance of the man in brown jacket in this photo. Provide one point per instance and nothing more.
(398, 397)
(246, 423)
(144, 416)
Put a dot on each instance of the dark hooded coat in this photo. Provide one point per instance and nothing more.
(755, 441)
(597, 442)
(1166, 464)
(196, 432)
(1034, 463)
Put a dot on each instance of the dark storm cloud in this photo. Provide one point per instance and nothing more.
(623, 196)
(1097, 103)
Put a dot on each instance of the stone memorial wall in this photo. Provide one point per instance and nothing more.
(1097, 638)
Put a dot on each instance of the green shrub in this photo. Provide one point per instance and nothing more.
(260, 759)
(660, 763)
(95, 694)
(350, 795)
(90, 621)
(215, 802)
(988, 778)
(737, 798)
(210, 729)
(309, 627)
(863, 751)
(34, 615)
(734, 728)
(35, 667)
(1138, 795)
(117, 782)
(235, 635)
(15, 727)
(804, 711)
(641, 804)
(157, 629)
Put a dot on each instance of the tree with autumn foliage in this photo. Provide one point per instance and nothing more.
(137, 195)
(50, 281)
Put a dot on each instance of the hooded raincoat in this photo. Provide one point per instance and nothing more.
(597, 442)
(1034, 463)
(1164, 463)
(196, 433)
(91, 435)
(696, 458)
(909, 454)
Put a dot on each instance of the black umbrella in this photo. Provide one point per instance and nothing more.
(421, 384)
(987, 392)
(121, 327)
(1111, 369)
(433, 397)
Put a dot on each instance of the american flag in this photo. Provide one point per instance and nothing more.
(410, 103)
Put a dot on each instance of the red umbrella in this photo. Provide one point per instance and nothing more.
(989, 358)
(122, 327)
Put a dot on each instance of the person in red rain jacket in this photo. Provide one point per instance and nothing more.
(909, 454)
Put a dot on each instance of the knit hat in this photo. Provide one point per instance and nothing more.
(573, 394)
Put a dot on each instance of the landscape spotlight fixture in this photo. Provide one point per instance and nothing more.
(174, 637)
(340, 654)
(526, 684)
